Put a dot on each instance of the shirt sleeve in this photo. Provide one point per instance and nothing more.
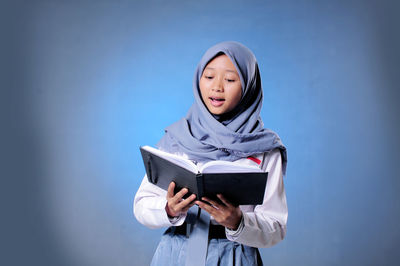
(149, 207)
(266, 224)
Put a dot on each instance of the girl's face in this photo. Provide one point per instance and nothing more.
(220, 85)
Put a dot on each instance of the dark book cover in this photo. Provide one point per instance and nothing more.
(243, 188)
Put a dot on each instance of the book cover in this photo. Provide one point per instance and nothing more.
(240, 184)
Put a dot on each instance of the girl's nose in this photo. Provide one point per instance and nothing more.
(217, 85)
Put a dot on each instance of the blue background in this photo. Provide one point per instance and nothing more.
(88, 82)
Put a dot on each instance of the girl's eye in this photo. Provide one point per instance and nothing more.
(208, 77)
(230, 80)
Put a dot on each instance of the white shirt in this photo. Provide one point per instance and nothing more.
(261, 226)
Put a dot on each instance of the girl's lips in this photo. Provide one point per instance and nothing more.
(216, 102)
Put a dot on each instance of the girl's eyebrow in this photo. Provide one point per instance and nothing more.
(228, 70)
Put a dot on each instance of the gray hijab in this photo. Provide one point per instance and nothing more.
(231, 136)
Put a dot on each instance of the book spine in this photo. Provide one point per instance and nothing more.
(153, 177)
(200, 185)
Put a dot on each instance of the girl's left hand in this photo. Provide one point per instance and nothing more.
(224, 213)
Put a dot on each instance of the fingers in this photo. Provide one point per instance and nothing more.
(187, 202)
(224, 200)
(211, 210)
(178, 196)
(170, 192)
(175, 203)
(185, 209)
(213, 203)
(226, 215)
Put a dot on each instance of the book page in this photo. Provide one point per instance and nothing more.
(228, 167)
(178, 160)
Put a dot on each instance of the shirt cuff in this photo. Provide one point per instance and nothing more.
(178, 220)
(236, 233)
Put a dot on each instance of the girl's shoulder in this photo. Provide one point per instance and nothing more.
(261, 160)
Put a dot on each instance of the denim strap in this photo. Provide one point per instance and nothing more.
(198, 240)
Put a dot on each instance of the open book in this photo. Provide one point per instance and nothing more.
(240, 184)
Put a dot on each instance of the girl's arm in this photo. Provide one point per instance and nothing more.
(266, 225)
(149, 207)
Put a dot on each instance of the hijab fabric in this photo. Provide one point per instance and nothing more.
(240, 133)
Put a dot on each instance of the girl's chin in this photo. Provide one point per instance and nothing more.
(216, 111)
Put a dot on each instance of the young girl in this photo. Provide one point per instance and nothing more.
(223, 124)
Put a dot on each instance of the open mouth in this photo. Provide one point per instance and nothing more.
(217, 101)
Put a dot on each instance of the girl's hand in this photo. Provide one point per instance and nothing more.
(224, 213)
(176, 205)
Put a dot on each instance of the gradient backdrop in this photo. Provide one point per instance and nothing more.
(88, 82)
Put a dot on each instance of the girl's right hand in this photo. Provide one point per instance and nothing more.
(176, 205)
